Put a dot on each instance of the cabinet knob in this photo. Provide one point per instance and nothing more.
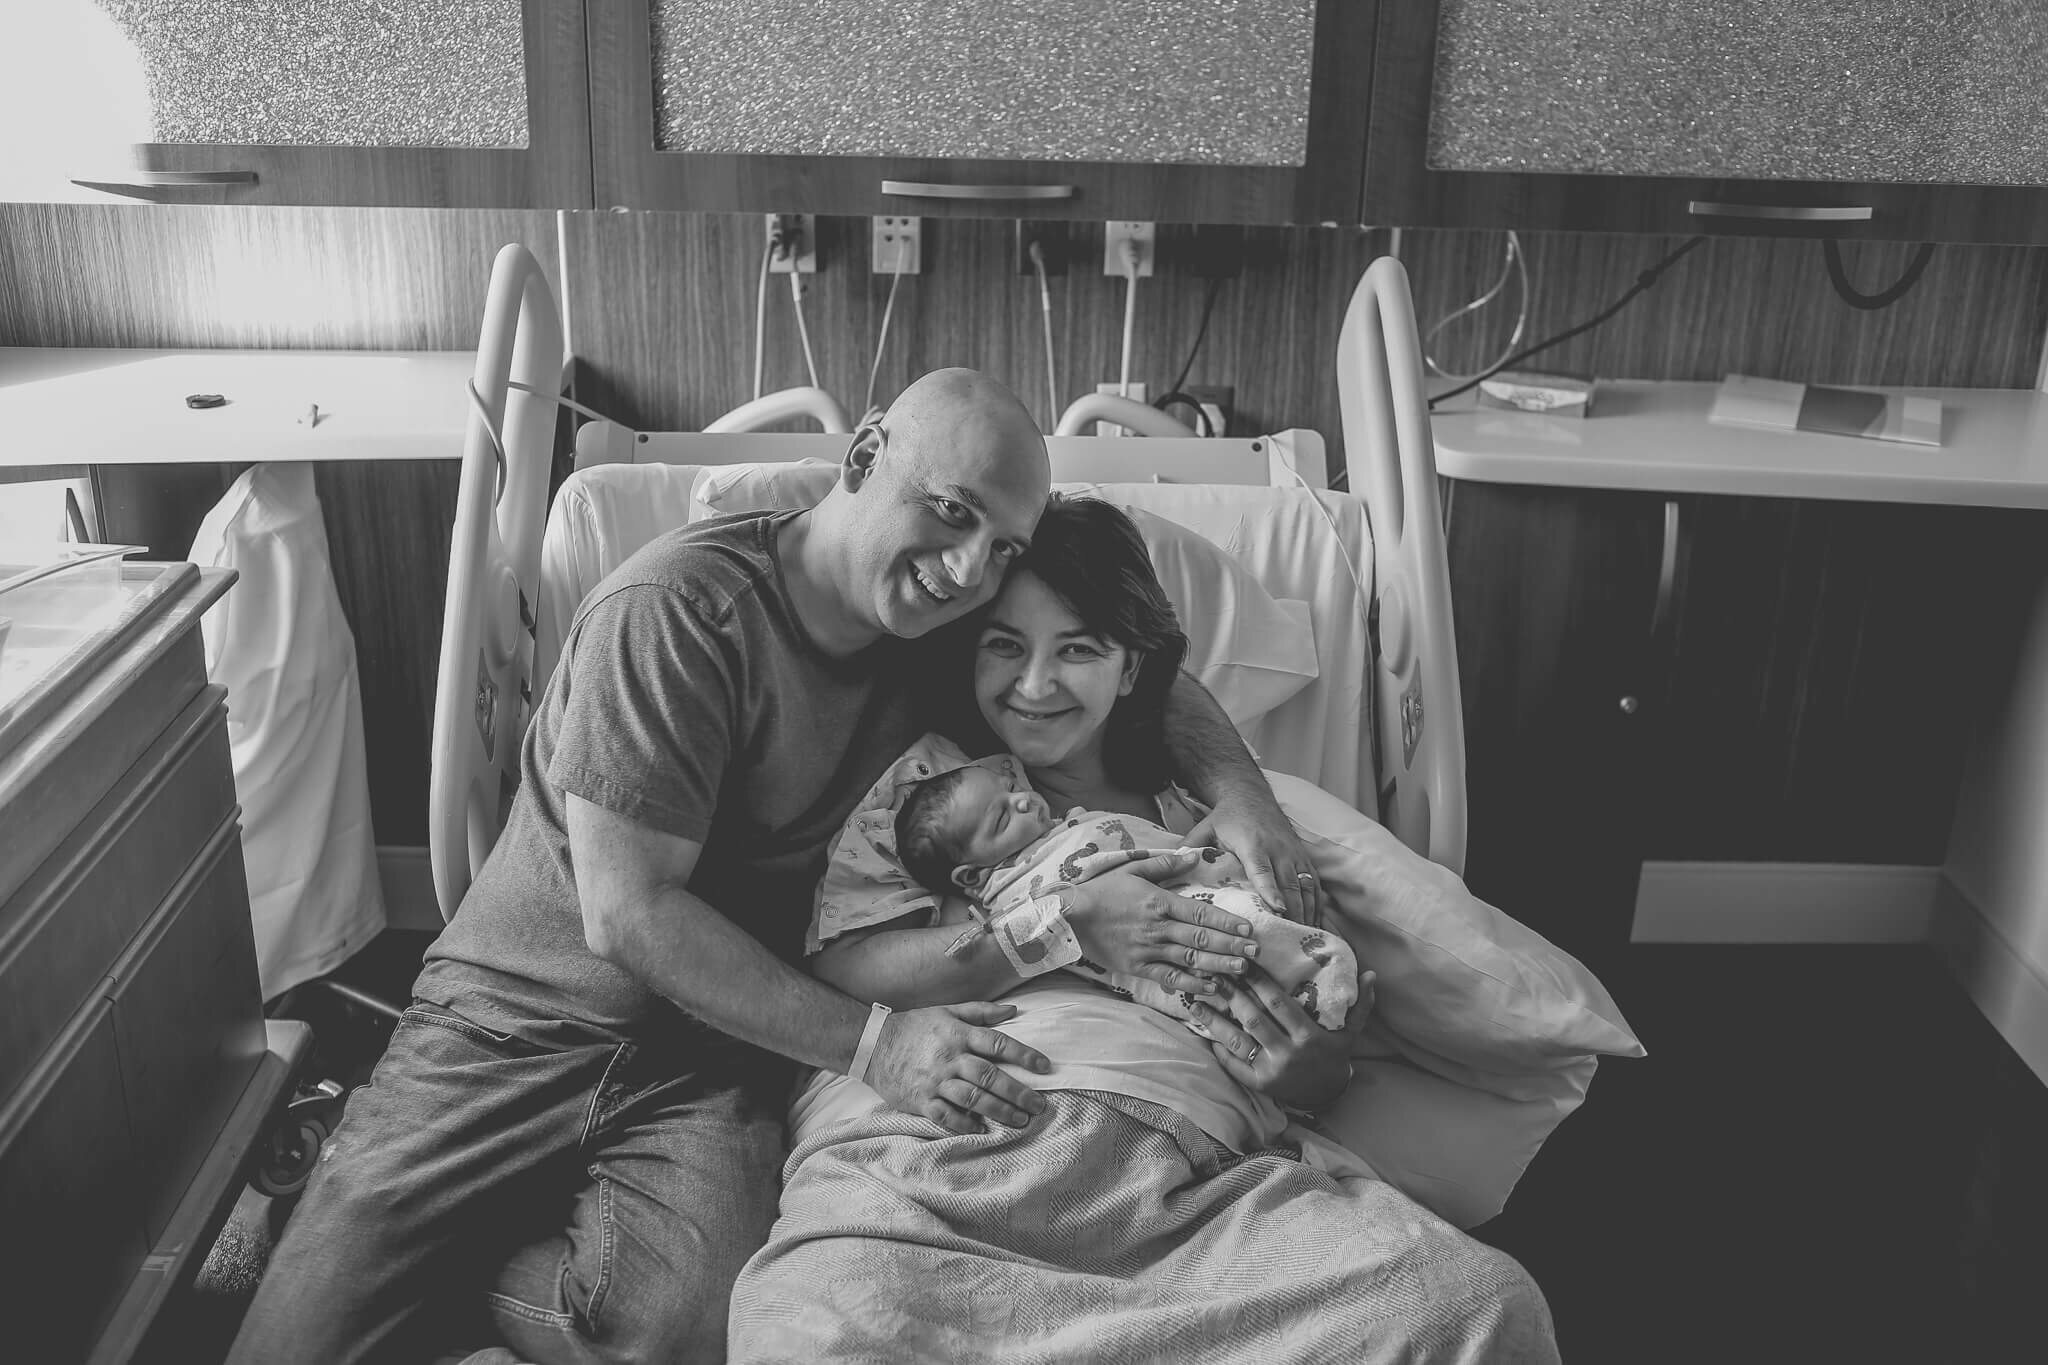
(1629, 705)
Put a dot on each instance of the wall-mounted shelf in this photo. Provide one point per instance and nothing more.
(1655, 437)
(71, 406)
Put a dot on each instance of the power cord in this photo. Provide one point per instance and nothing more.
(868, 413)
(1201, 331)
(803, 332)
(761, 317)
(1643, 281)
(1177, 399)
(1884, 298)
(1052, 388)
(1514, 262)
(1129, 251)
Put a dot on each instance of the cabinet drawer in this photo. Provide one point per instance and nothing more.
(188, 1023)
(73, 1236)
(63, 930)
(50, 783)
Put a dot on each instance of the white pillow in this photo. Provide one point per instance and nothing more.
(1484, 1035)
(1249, 650)
(729, 488)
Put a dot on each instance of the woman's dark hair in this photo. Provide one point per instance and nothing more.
(1093, 558)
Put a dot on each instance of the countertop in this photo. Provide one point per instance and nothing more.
(70, 406)
(1655, 437)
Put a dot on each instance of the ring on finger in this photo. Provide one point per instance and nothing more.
(1252, 1056)
(1305, 878)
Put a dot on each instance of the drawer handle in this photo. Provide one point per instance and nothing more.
(137, 182)
(1667, 569)
(919, 189)
(1794, 213)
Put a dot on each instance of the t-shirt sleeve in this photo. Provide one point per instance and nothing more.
(647, 725)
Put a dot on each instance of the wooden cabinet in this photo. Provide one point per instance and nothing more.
(479, 105)
(1204, 112)
(1553, 592)
(1827, 664)
(136, 1067)
(1600, 116)
(1717, 678)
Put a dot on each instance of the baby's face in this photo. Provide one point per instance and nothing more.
(992, 822)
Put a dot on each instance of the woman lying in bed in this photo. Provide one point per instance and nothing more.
(1153, 1210)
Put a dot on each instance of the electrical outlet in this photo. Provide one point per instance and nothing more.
(792, 239)
(1217, 400)
(1114, 235)
(1052, 245)
(1136, 394)
(898, 247)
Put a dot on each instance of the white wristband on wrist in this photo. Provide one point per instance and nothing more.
(864, 1052)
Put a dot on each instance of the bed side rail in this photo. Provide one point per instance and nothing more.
(484, 693)
(1390, 456)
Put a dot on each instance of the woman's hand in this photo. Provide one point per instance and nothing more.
(1269, 1043)
(1251, 825)
(1128, 925)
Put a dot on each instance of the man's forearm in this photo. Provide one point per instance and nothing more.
(1209, 756)
(909, 968)
(684, 949)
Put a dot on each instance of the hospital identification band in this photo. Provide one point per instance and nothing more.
(1036, 937)
(869, 1036)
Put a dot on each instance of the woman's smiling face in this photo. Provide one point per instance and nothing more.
(1045, 684)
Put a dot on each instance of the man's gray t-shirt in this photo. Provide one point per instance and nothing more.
(689, 698)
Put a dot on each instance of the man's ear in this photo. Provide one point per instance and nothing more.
(861, 456)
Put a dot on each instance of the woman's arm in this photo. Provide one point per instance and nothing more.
(1122, 920)
(905, 966)
(1211, 760)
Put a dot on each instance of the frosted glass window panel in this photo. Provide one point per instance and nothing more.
(1222, 82)
(355, 73)
(1900, 91)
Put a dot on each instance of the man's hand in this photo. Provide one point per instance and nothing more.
(1251, 825)
(1269, 1043)
(940, 1063)
(1128, 925)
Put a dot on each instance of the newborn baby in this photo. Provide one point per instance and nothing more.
(965, 831)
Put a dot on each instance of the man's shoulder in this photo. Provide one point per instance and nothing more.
(714, 567)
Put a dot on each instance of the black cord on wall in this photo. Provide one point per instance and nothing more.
(1884, 298)
(1643, 282)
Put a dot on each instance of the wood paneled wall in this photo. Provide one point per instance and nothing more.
(662, 311)
(293, 279)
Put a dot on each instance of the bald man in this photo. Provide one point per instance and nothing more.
(582, 1113)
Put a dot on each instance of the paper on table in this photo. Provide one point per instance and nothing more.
(1780, 406)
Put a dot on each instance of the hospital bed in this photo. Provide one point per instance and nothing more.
(1379, 723)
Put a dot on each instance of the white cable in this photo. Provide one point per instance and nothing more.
(761, 317)
(796, 299)
(555, 398)
(1130, 253)
(1052, 388)
(1514, 262)
(1364, 597)
(895, 278)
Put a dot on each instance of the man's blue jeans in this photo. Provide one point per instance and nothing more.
(595, 1198)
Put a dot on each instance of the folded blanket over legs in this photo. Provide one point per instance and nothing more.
(1112, 1230)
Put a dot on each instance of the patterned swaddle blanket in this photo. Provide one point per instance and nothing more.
(1318, 969)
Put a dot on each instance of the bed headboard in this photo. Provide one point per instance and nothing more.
(1253, 460)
